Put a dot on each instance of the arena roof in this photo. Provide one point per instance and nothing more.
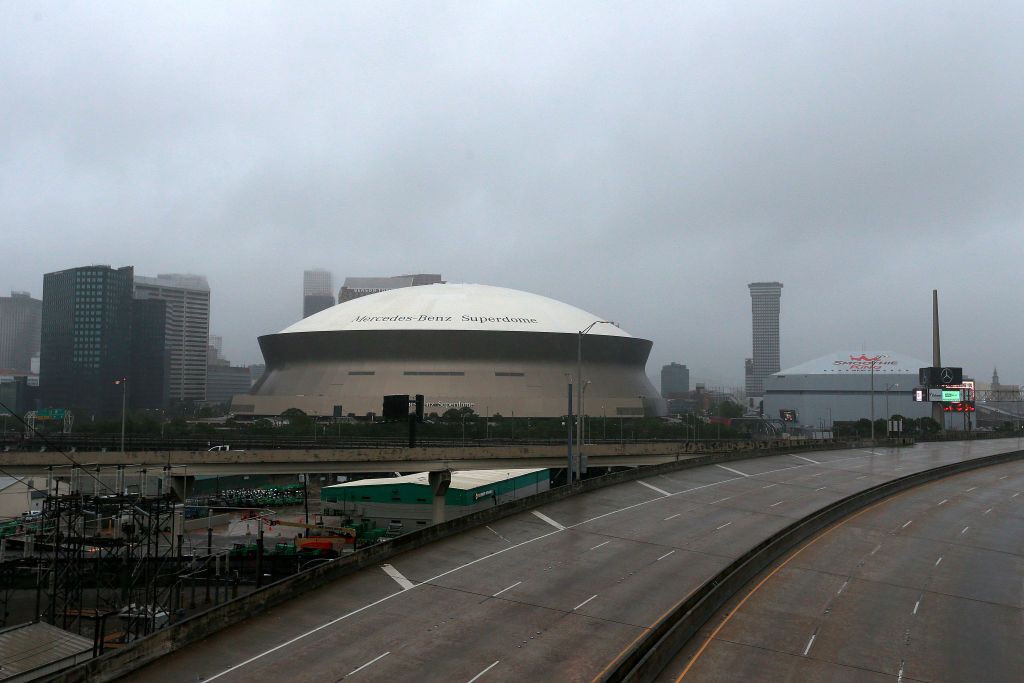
(454, 307)
(858, 363)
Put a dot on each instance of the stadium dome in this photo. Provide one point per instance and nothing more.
(454, 307)
(493, 349)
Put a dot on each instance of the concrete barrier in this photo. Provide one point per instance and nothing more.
(178, 635)
(645, 660)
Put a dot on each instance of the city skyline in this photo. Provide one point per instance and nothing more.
(643, 169)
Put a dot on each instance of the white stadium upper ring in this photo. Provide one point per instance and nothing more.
(454, 307)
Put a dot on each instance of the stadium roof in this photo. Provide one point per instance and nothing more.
(454, 307)
(858, 363)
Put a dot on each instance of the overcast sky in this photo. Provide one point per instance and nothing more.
(643, 161)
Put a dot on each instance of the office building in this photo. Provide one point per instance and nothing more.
(355, 287)
(317, 291)
(764, 303)
(491, 349)
(148, 379)
(187, 330)
(675, 381)
(224, 380)
(20, 321)
(85, 339)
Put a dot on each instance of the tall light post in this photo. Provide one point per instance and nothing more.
(579, 385)
(124, 403)
(872, 392)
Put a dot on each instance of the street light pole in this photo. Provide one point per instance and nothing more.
(579, 387)
(124, 403)
(872, 403)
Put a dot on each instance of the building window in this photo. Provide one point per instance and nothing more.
(362, 372)
(510, 374)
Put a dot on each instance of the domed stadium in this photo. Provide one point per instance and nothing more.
(491, 349)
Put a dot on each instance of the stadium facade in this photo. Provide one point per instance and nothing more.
(846, 386)
(491, 349)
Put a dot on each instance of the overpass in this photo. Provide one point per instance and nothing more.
(387, 459)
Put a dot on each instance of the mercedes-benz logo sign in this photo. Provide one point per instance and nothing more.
(947, 376)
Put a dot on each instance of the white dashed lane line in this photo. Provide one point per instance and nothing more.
(654, 488)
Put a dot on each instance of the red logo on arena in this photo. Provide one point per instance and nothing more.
(867, 359)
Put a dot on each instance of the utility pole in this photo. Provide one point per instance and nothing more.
(937, 413)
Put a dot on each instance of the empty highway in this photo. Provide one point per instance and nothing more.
(924, 586)
(553, 594)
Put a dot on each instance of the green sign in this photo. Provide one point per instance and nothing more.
(951, 395)
(50, 413)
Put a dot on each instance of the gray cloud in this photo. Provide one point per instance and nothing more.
(643, 163)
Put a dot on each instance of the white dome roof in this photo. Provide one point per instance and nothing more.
(858, 363)
(454, 307)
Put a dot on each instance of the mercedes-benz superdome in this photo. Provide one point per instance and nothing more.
(492, 349)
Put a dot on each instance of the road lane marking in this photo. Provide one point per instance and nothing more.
(863, 476)
(558, 528)
(906, 524)
(728, 617)
(672, 516)
(818, 474)
(937, 561)
(584, 602)
(987, 511)
(665, 555)
(375, 659)
(599, 545)
(815, 462)
(809, 643)
(965, 530)
(769, 486)
(821, 489)
(720, 500)
(916, 605)
(779, 503)
(899, 677)
(484, 671)
(498, 535)
(970, 489)
(541, 515)
(729, 469)
(843, 587)
(943, 501)
(506, 589)
(1015, 495)
(1003, 477)
(723, 526)
(405, 583)
(654, 488)
(877, 548)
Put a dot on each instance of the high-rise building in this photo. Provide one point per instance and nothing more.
(675, 381)
(225, 380)
(764, 302)
(86, 339)
(148, 387)
(20, 320)
(355, 287)
(317, 291)
(187, 329)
